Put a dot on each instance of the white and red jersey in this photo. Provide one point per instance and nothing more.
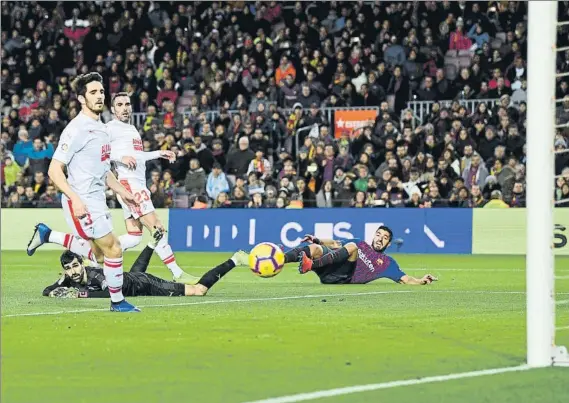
(84, 147)
(126, 142)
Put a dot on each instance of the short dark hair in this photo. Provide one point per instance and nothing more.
(119, 94)
(68, 257)
(386, 229)
(80, 83)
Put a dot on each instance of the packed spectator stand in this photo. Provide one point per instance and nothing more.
(247, 94)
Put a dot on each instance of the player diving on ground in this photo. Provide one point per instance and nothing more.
(81, 281)
(351, 261)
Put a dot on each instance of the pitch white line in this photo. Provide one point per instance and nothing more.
(301, 397)
(227, 301)
(292, 297)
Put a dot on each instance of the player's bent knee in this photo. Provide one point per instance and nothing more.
(133, 225)
(110, 246)
(98, 254)
(115, 251)
(316, 251)
(351, 247)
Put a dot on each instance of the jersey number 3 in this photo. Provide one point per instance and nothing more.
(88, 220)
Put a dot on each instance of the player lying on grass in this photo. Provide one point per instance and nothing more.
(80, 281)
(351, 262)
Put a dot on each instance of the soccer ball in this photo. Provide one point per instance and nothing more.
(266, 260)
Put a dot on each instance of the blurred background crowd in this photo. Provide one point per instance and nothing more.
(247, 94)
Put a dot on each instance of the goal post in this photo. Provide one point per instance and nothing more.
(540, 177)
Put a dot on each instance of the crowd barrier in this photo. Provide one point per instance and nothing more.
(432, 231)
(423, 231)
(138, 118)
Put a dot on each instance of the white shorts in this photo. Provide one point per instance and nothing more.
(142, 196)
(96, 224)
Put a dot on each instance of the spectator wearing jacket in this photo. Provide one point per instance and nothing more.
(195, 178)
(216, 182)
(477, 34)
(39, 156)
(23, 147)
(476, 173)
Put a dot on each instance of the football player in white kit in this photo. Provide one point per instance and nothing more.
(85, 150)
(125, 142)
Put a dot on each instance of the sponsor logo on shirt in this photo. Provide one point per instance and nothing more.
(365, 260)
(137, 144)
(105, 152)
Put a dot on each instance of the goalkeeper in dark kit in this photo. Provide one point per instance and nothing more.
(80, 281)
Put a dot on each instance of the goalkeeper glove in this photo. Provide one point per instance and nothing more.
(64, 292)
(157, 235)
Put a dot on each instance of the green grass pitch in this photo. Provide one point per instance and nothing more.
(253, 338)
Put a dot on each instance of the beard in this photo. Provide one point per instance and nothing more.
(124, 118)
(95, 108)
(379, 249)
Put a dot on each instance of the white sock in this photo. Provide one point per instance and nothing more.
(114, 276)
(59, 238)
(75, 244)
(164, 250)
(130, 240)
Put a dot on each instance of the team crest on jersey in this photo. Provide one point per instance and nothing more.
(105, 152)
(379, 261)
(137, 143)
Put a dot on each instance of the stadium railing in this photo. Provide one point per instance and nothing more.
(421, 109)
(140, 117)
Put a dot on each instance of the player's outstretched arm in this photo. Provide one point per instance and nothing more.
(152, 155)
(410, 280)
(57, 175)
(143, 260)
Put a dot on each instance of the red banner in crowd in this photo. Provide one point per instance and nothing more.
(347, 122)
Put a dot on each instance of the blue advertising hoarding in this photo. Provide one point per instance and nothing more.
(226, 230)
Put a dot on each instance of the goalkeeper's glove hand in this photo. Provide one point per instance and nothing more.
(64, 292)
(157, 234)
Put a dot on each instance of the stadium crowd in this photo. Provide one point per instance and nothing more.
(226, 85)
